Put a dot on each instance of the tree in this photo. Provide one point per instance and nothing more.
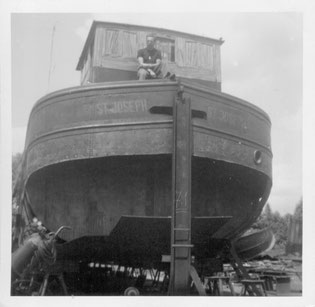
(264, 219)
(298, 212)
(280, 224)
(16, 170)
(295, 231)
(16, 167)
(279, 227)
(274, 221)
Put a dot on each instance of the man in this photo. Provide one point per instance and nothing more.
(150, 60)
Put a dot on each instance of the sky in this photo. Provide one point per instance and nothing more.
(261, 58)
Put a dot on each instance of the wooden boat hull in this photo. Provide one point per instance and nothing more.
(97, 152)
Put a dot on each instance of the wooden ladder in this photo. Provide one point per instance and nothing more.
(242, 273)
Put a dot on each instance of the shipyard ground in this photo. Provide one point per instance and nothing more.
(94, 284)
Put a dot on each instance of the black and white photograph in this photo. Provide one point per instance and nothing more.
(157, 153)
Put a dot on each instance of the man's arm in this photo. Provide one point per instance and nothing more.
(140, 61)
(148, 65)
(158, 63)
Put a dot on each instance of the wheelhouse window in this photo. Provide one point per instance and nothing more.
(113, 43)
(167, 47)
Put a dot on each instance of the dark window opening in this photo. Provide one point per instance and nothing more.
(167, 47)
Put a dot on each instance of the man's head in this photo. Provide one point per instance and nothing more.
(150, 41)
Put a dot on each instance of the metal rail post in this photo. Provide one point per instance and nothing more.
(181, 191)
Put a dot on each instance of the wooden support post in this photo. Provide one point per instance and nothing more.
(197, 282)
(231, 287)
(181, 191)
(44, 285)
(242, 272)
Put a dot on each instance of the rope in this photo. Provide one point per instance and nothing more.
(51, 55)
(47, 251)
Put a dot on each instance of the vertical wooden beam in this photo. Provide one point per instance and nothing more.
(181, 193)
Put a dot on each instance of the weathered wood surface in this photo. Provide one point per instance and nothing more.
(117, 119)
(115, 46)
(97, 152)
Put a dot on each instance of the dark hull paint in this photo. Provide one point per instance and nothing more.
(97, 152)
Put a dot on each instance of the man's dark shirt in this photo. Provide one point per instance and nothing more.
(149, 56)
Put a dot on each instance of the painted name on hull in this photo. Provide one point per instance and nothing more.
(124, 106)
